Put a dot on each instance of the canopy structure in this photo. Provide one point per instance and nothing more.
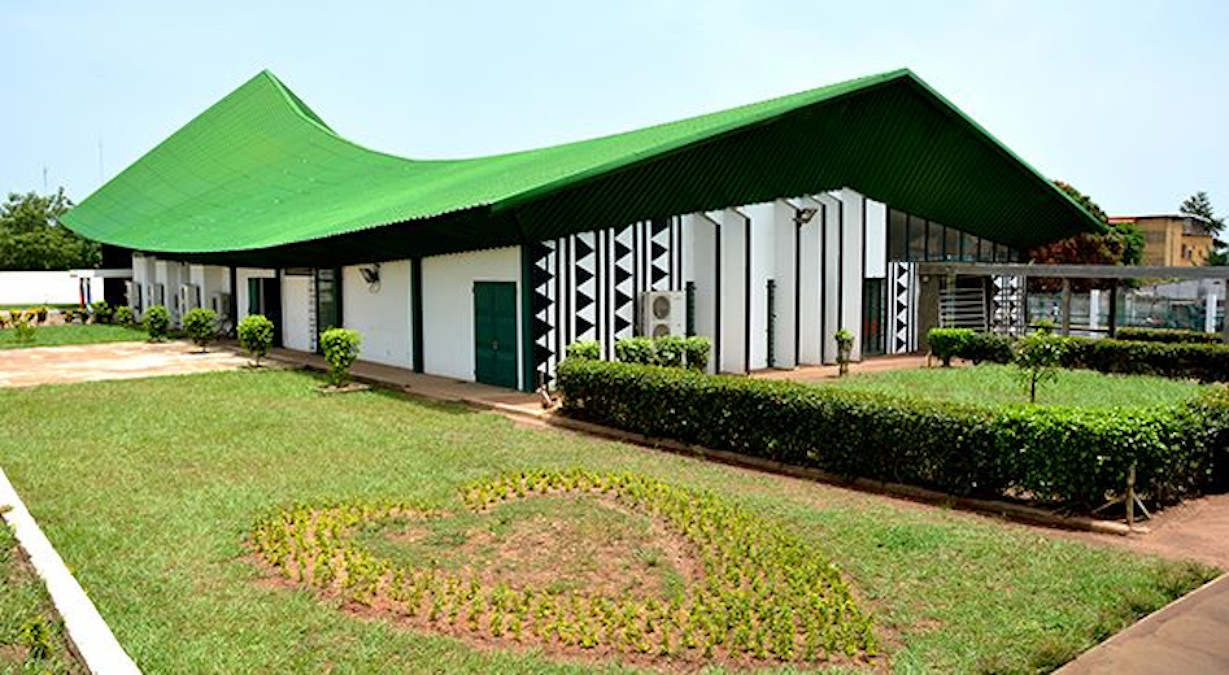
(259, 179)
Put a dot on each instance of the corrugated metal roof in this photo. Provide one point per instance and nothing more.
(260, 177)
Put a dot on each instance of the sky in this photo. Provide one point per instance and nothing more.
(1126, 99)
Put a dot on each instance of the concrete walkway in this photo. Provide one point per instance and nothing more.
(1190, 636)
(109, 361)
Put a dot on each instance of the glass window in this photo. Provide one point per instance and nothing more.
(917, 238)
(951, 244)
(898, 235)
(968, 247)
(1000, 253)
(935, 235)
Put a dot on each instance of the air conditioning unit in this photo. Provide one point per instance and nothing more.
(220, 303)
(133, 290)
(189, 297)
(663, 313)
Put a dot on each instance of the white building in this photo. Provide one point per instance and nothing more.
(765, 228)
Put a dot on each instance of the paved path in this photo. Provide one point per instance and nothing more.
(1189, 637)
(109, 361)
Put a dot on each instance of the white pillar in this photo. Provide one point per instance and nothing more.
(1209, 319)
(786, 264)
(1094, 308)
(830, 284)
(812, 288)
(852, 254)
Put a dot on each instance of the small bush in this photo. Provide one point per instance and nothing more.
(256, 336)
(584, 349)
(1168, 335)
(948, 342)
(844, 346)
(124, 315)
(341, 348)
(158, 323)
(201, 325)
(697, 349)
(1055, 454)
(669, 351)
(988, 348)
(1038, 357)
(23, 330)
(101, 312)
(636, 350)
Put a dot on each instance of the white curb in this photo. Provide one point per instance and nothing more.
(94, 640)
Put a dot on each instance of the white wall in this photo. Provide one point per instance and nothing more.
(733, 328)
(851, 253)
(700, 234)
(811, 333)
(785, 242)
(382, 313)
(242, 275)
(298, 326)
(831, 224)
(40, 288)
(763, 268)
(448, 307)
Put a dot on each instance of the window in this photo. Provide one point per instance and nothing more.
(898, 235)
(951, 244)
(917, 238)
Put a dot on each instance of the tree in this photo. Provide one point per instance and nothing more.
(1038, 357)
(1123, 244)
(1200, 205)
(31, 237)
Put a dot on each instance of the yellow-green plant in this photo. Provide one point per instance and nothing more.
(764, 594)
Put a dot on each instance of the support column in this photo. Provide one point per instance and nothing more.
(1066, 306)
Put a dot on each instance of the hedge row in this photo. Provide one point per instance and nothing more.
(1057, 455)
(1203, 362)
(1168, 335)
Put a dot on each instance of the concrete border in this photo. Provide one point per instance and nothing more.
(91, 635)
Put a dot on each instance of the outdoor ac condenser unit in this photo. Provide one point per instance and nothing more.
(189, 297)
(220, 303)
(133, 291)
(663, 313)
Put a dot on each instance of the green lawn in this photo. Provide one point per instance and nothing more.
(32, 638)
(149, 487)
(76, 334)
(71, 305)
(992, 383)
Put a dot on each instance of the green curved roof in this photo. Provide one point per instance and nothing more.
(260, 178)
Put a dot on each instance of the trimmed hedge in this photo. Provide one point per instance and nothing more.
(1058, 455)
(948, 342)
(1168, 335)
(1203, 362)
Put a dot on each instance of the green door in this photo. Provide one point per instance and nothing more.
(495, 333)
(328, 302)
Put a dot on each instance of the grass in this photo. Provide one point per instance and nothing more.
(55, 336)
(70, 305)
(148, 488)
(992, 383)
(32, 638)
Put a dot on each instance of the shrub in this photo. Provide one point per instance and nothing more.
(101, 312)
(987, 347)
(1038, 357)
(157, 323)
(669, 350)
(201, 325)
(636, 350)
(584, 349)
(256, 336)
(1203, 362)
(1054, 454)
(341, 347)
(1168, 335)
(844, 346)
(125, 316)
(948, 342)
(697, 349)
(23, 330)
(40, 313)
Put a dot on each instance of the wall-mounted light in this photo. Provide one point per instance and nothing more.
(371, 275)
(804, 215)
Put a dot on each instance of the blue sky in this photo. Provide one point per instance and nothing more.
(1128, 100)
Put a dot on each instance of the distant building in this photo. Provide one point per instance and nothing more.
(1174, 240)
